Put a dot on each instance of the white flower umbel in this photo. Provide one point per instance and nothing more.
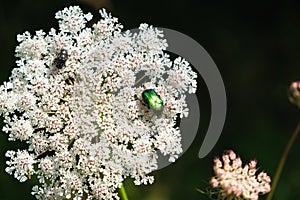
(76, 99)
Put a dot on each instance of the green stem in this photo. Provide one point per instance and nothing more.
(122, 193)
(282, 161)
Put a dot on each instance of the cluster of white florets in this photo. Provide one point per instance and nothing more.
(82, 113)
(238, 182)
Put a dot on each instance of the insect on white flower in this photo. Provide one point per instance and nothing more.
(74, 99)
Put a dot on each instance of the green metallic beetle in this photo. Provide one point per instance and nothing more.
(152, 100)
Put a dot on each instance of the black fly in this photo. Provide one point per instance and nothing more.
(61, 59)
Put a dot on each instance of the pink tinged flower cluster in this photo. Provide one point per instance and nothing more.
(294, 93)
(85, 121)
(235, 180)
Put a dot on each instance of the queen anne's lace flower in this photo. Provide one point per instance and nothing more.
(75, 98)
(294, 93)
(236, 181)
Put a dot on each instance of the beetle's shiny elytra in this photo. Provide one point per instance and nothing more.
(61, 59)
(152, 100)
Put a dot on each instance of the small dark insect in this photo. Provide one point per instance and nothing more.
(152, 100)
(61, 59)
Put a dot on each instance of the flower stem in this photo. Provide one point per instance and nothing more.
(282, 160)
(122, 193)
(140, 79)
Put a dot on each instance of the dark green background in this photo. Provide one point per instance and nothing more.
(256, 48)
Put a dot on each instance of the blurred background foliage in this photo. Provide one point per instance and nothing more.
(255, 45)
